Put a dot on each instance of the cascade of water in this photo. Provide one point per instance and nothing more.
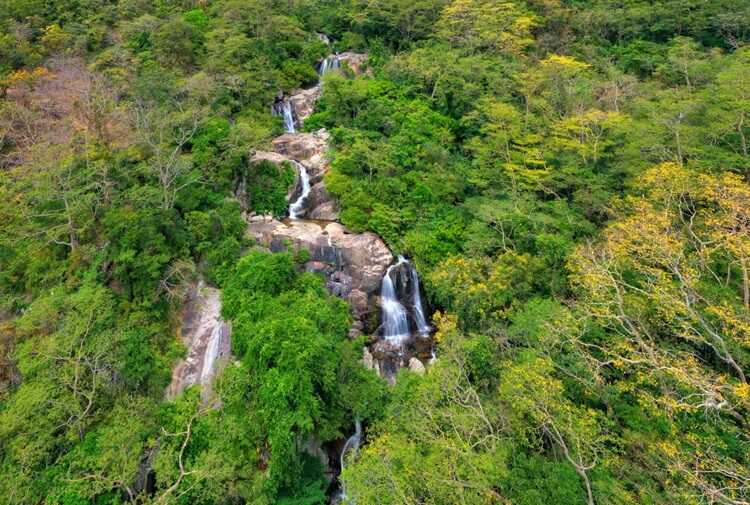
(297, 208)
(210, 358)
(352, 444)
(286, 111)
(395, 321)
(422, 326)
(328, 64)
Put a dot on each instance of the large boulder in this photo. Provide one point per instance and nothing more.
(302, 146)
(355, 61)
(327, 211)
(303, 102)
(356, 261)
(271, 157)
(318, 196)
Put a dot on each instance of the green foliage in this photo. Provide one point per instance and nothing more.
(570, 179)
(268, 186)
(303, 376)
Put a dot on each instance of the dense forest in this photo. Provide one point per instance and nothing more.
(570, 178)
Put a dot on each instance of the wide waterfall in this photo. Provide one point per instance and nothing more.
(297, 208)
(395, 318)
(328, 64)
(401, 300)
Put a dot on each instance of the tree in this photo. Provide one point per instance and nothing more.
(477, 25)
(166, 134)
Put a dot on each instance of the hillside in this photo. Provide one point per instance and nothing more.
(375, 252)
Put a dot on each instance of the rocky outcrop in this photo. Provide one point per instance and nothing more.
(307, 148)
(416, 366)
(353, 263)
(355, 61)
(303, 102)
(206, 337)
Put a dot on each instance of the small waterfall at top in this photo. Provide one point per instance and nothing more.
(395, 321)
(422, 326)
(297, 208)
(352, 444)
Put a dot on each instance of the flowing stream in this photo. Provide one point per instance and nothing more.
(210, 358)
(400, 312)
(285, 110)
(297, 208)
(329, 64)
(395, 318)
(352, 444)
(422, 326)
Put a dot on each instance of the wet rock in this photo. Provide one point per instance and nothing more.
(358, 260)
(314, 448)
(207, 338)
(317, 267)
(303, 101)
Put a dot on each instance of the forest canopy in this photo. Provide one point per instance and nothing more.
(570, 179)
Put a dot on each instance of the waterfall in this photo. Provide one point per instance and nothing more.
(210, 358)
(422, 326)
(286, 111)
(297, 208)
(328, 64)
(395, 321)
(352, 444)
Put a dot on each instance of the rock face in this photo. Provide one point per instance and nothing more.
(309, 150)
(353, 263)
(304, 147)
(355, 61)
(206, 337)
(303, 102)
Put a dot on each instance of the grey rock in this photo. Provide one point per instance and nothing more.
(416, 366)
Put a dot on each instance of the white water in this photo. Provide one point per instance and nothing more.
(422, 326)
(210, 358)
(286, 112)
(352, 444)
(328, 64)
(297, 208)
(395, 321)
